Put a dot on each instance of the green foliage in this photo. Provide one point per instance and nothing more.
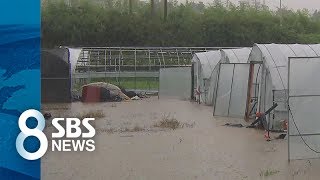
(109, 23)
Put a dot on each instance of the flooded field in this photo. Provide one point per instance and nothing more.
(153, 139)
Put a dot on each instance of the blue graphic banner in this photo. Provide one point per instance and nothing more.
(19, 83)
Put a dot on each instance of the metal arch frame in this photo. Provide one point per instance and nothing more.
(214, 98)
(115, 62)
(235, 55)
(313, 50)
(288, 102)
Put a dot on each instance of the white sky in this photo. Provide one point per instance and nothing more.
(273, 4)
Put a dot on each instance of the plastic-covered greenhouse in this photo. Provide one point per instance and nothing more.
(205, 72)
(240, 55)
(231, 87)
(272, 78)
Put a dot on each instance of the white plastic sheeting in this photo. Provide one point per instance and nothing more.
(204, 65)
(304, 103)
(275, 58)
(240, 55)
(232, 89)
(274, 74)
(74, 54)
(175, 83)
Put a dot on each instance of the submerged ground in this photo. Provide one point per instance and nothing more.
(132, 144)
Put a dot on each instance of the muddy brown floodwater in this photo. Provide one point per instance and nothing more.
(129, 147)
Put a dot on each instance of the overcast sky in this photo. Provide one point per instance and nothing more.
(273, 4)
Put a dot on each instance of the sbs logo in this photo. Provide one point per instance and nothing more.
(68, 138)
(36, 132)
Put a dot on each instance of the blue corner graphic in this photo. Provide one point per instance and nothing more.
(19, 82)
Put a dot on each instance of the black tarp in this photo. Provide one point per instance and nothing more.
(55, 76)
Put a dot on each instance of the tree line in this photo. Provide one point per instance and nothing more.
(136, 23)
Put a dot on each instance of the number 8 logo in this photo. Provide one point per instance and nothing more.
(27, 132)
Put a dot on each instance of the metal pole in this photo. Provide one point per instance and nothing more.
(178, 57)
(158, 84)
(105, 65)
(119, 69)
(135, 69)
(149, 58)
(164, 61)
(89, 64)
(288, 103)
(259, 89)
(98, 61)
(273, 102)
(192, 81)
(216, 90)
(105, 60)
(110, 59)
(251, 73)
(231, 87)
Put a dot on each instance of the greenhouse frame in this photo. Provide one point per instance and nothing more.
(129, 67)
(240, 55)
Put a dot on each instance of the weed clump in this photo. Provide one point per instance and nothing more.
(168, 123)
(91, 114)
(268, 172)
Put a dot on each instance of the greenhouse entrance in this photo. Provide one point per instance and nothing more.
(304, 103)
(233, 95)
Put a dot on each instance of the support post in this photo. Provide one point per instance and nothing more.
(135, 69)
(192, 81)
